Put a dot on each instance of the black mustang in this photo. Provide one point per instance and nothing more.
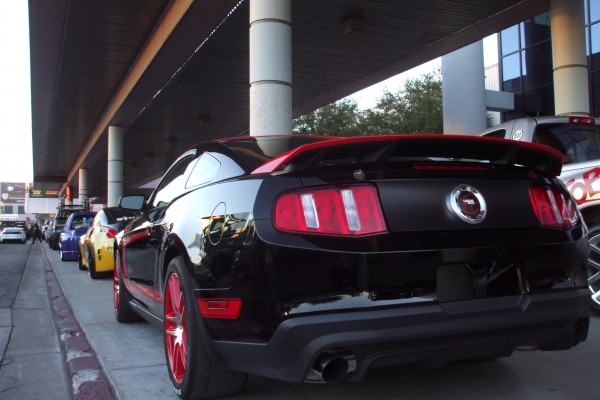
(311, 258)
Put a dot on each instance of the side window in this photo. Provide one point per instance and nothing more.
(77, 221)
(497, 134)
(172, 184)
(204, 170)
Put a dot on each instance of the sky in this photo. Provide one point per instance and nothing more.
(15, 94)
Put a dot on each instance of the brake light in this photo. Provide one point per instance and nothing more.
(582, 120)
(110, 232)
(451, 167)
(350, 210)
(553, 208)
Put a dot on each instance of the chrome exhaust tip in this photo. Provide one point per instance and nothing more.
(331, 367)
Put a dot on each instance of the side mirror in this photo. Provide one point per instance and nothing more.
(135, 202)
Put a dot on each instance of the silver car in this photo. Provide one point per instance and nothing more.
(578, 139)
(13, 235)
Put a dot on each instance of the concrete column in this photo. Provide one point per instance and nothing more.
(463, 91)
(83, 186)
(115, 165)
(571, 88)
(270, 67)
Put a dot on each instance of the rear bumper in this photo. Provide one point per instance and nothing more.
(13, 240)
(429, 334)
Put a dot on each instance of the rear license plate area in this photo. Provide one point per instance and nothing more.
(465, 281)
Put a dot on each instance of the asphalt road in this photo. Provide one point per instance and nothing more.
(132, 358)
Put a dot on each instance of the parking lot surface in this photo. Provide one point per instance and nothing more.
(131, 358)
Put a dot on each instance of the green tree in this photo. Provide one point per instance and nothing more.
(338, 119)
(417, 108)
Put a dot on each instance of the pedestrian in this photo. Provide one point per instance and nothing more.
(36, 234)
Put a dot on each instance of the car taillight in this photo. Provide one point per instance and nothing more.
(110, 232)
(553, 208)
(349, 210)
(582, 120)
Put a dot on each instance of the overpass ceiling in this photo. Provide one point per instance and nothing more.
(196, 86)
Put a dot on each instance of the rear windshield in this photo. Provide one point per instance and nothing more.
(257, 150)
(579, 143)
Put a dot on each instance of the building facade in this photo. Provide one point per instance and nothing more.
(20, 202)
(525, 54)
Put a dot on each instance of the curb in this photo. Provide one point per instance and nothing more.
(84, 372)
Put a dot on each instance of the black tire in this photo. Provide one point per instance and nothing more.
(593, 267)
(192, 372)
(92, 266)
(80, 262)
(123, 312)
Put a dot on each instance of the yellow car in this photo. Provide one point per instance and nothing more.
(96, 247)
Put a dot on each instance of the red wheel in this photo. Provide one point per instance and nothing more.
(175, 328)
(192, 372)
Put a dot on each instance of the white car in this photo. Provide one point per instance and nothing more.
(578, 138)
(13, 235)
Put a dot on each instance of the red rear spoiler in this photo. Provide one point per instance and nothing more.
(543, 159)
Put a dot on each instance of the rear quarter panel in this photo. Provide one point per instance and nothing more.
(103, 251)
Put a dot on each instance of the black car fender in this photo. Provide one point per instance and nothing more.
(172, 247)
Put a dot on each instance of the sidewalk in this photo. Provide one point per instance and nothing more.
(46, 355)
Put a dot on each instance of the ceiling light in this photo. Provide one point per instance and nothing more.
(353, 26)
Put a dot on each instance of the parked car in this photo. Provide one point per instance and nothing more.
(44, 231)
(63, 212)
(54, 233)
(578, 139)
(75, 227)
(13, 235)
(97, 245)
(311, 258)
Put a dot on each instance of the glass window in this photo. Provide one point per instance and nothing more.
(97, 218)
(596, 92)
(535, 31)
(536, 64)
(539, 101)
(509, 40)
(577, 142)
(594, 46)
(79, 220)
(511, 72)
(595, 35)
(205, 169)
(500, 133)
(172, 184)
(594, 10)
